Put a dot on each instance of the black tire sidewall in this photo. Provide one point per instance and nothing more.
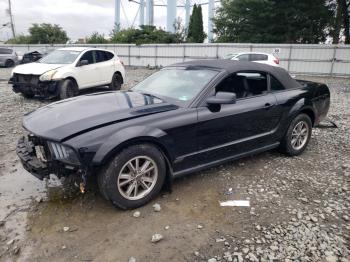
(288, 137)
(116, 82)
(28, 95)
(66, 89)
(9, 63)
(109, 178)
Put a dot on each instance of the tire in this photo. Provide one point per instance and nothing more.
(290, 144)
(67, 89)
(117, 82)
(117, 178)
(9, 63)
(28, 94)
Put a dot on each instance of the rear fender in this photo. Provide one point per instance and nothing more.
(300, 106)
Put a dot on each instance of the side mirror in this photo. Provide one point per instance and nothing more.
(222, 98)
(83, 62)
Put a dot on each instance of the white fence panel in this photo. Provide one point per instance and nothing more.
(298, 59)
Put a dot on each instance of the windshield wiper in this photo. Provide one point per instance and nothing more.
(149, 94)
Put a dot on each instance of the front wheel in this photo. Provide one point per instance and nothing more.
(298, 135)
(117, 82)
(134, 177)
(67, 89)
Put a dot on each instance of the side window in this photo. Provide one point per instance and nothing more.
(258, 57)
(100, 56)
(243, 57)
(275, 85)
(4, 51)
(88, 56)
(256, 83)
(244, 84)
(109, 55)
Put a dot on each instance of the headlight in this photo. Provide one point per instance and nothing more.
(63, 153)
(48, 75)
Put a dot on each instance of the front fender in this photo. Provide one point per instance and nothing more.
(130, 135)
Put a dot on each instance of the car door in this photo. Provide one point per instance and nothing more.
(234, 129)
(104, 66)
(86, 75)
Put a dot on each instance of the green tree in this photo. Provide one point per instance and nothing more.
(196, 32)
(19, 40)
(96, 38)
(145, 35)
(344, 10)
(272, 21)
(47, 34)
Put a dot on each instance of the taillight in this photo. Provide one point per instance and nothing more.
(277, 61)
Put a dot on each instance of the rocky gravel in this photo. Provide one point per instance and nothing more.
(299, 207)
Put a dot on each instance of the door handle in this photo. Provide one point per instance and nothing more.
(268, 105)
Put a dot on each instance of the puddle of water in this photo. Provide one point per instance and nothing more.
(17, 190)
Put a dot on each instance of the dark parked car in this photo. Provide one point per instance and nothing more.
(31, 57)
(182, 119)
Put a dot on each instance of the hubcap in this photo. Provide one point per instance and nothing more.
(137, 178)
(300, 135)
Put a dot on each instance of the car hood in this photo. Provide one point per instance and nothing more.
(35, 68)
(65, 119)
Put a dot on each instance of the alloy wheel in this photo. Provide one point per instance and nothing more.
(300, 135)
(137, 178)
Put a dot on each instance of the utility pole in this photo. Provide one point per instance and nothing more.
(149, 7)
(116, 16)
(211, 6)
(11, 20)
(142, 13)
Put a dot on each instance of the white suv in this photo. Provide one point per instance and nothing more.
(63, 72)
(263, 58)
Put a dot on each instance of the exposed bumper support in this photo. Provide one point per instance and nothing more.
(47, 89)
(26, 152)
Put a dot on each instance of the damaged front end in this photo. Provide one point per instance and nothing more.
(30, 85)
(41, 158)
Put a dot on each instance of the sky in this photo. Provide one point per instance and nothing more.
(79, 17)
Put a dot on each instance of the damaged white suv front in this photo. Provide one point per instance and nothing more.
(65, 71)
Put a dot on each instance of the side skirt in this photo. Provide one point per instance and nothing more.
(224, 160)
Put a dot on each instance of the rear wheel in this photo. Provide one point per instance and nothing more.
(67, 89)
(298, 135)
(9, 63)
(117, 82)
(133, 177)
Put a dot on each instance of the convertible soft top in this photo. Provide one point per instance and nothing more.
(232, 66)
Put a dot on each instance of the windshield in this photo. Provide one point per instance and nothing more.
(179, 84)
(60, 57)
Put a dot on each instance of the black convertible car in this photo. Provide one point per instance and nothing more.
(184, 118)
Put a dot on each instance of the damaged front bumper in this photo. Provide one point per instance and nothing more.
(36, 159)
(27, 154)
(30, 85)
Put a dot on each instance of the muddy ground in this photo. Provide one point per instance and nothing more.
(299, 207)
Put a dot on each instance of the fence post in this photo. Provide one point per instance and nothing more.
(217, 51)
(184, 53)
(289, 56)
(156, 56)
(129, 58)
(333, 60)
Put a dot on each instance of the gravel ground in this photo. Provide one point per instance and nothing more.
(299, 207)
